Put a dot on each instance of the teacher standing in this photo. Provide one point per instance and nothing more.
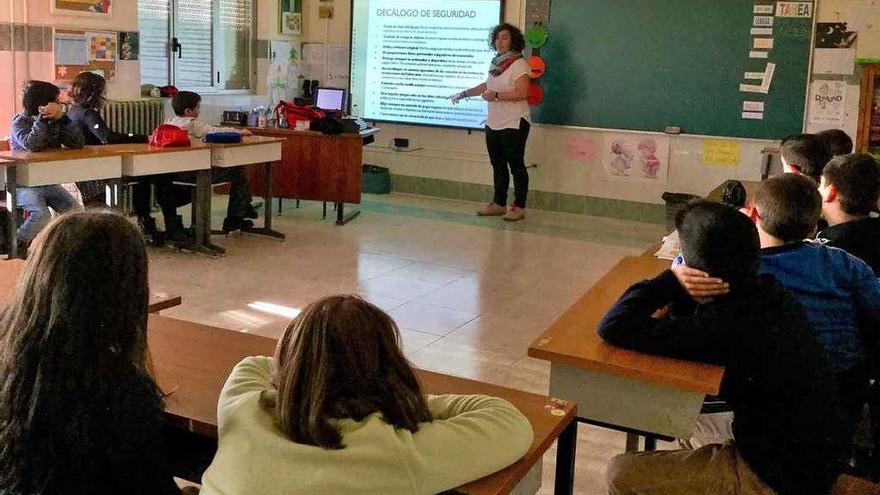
(507, 126)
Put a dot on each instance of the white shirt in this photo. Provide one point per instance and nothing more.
(506, 114)
(197, 128)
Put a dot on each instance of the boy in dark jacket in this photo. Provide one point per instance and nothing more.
(788, 424)
(42, 125)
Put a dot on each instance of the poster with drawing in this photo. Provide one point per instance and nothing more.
(635, 157)
(827, 102)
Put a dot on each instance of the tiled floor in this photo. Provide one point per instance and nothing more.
(468, 293)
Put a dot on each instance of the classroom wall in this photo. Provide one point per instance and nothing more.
(28, 24)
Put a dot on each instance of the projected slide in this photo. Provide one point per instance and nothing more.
(409, 56)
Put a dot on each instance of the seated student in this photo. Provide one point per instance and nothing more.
(79, 412)
(787, 417)
(837, 141)
(340, 410)
(850, 190)
(87, 94)
(840, 292)
(42, 125)
(186, 110)
(804, 154)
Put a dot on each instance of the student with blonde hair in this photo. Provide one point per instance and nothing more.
(340, 410)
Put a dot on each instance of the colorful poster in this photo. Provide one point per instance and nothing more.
(721, 152)
(636, 157)
(82, 7)
(129, 45)
(290, 17)
(827, 102)
(102, 46)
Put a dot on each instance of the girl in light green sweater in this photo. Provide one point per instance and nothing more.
(339, 410)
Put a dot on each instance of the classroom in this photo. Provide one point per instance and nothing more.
(419, 246)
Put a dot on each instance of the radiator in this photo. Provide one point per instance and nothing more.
(133, 116)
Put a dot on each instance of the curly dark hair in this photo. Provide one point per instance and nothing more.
(517, 40)
(87, 90)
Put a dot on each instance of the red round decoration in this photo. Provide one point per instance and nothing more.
(538, 66)
(536, 94)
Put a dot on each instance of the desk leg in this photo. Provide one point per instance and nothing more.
(113, 194)
(202, 205)
(266, 230)
(341, 217)
(632, 442)
(12, 204)
(566, 447)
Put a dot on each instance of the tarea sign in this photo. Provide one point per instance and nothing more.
(794, 9)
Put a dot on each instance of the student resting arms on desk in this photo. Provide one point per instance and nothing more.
(79, 411)
(340, 410)
(42, 125)
(788, 420)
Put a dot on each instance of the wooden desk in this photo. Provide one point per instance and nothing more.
(252, 150)
(55, 166)
(193, 361)
(10, 270)
(614, 387)
(315, 166)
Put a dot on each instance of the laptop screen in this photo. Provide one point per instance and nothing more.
(330, 99)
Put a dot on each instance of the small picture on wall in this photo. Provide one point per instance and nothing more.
(290, 17)
(82, 7)
(634, 157)
(129, 45)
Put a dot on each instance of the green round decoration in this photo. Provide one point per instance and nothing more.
(536, 36)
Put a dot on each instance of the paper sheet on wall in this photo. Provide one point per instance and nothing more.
(834, 60)
(283, 79)
(314, 61)
(827, 103)
(630, 157)
(70, 49)
(721, 152)
(337, 66)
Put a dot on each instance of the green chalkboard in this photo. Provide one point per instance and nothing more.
(649, 64)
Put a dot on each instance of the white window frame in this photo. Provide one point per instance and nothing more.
(203, 90)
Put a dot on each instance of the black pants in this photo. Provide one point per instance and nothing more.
(170, 196)
(507, 148)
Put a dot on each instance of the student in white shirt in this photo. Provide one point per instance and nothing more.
(186, 105)
(507, 126)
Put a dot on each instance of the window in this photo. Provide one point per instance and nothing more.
(199, 45)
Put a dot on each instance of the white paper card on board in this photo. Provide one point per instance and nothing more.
(794, 9)
(834, 61)
(754, 76)
(757, 54)
(753, 115)
(762, 31)
(753, 106)
(827, 102)
(763, 9)
(751, 88)
(768, 77)
(763, 21)
(763, 43)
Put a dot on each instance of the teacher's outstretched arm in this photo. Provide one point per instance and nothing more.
(477, 90)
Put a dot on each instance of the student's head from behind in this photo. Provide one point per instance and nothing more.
(341, 358)
(71, 333)
(37, 94)
(805, 154)
(851, 183)
(788, 207)
(719, 240)
(837, 141)
(88, 90)
(186, 104)
(506, 37)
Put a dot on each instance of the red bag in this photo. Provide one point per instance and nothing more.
(306, 112)
(168, 91)
(167, 135)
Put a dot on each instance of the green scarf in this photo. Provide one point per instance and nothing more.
(502, 61)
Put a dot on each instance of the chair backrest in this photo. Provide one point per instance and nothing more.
(850, 485)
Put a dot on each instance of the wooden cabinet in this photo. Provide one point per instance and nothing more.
(314, 166)
(868, 134)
